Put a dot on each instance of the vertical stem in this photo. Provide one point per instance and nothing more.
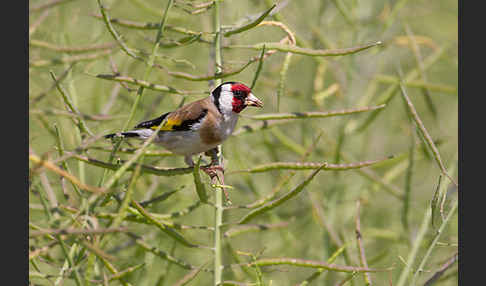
(359, 240)
(217, 236)
(408, 177)
(283, 74)
(415, 248)
(150, 63)
(420, 268)
(420, 236)
(68, 255)
(218, 217)
(217, 42)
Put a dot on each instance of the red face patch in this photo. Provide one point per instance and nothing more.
(240, 92)
(238, 105)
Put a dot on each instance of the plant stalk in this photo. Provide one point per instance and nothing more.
(218, 217)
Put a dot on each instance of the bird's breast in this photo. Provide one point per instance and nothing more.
(211, 136)
(215, 132)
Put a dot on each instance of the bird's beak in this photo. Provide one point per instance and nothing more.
(251, 100)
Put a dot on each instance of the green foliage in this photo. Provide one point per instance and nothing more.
(360, 105)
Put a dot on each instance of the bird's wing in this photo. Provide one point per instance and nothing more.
(181, 119)
(153, 122)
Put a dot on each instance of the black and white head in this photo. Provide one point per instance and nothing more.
(232, 97)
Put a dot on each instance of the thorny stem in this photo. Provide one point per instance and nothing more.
(218, 217)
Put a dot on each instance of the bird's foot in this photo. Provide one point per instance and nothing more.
(218, 172)
(212, 169)
(213, 154)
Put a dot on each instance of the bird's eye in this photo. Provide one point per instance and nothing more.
(239, 93)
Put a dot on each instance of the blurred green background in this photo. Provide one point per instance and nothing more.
(311, 84)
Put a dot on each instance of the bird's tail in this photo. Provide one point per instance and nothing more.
(134, 134)
(139, 134)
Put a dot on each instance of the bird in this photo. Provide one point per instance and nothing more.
(199, 126)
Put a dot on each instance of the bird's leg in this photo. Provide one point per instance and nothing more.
(213, 166)
(215, 169)
(208, 169)
(211, 170)
(213, 153)
(188, 160)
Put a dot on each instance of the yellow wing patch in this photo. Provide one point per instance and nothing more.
(168, 125)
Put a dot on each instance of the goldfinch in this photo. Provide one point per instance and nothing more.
(199, 126)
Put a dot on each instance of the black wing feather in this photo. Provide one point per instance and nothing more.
(187, 124)
(154, 122)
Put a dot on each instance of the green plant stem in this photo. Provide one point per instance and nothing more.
(306, 51)
(200, 188)
(308, 166)
(420, 236)
(144, 168)
(383, 78)
(79, 135)
(275, 203)
(390, 92)
(145, 84)
(190, 276)
(69, 259)
(115, 35)
(218, 194)
(420, 268)
(71, 59)
(360, 243)
(150, 64)
(314, 264)
(416, 245)
(53, 167)
(408, 180)
(321, 270)
(120, 171)
(67, 100)
(140, 151)
(62, 49)
(259, 68)
(164, 255)
(426, 134)
(218, 75)
(122, 210)
(218, 219)
(251, 24)
(148, 26)
(283, 79)
(314, 114)
(163, 227)
(64, 165)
